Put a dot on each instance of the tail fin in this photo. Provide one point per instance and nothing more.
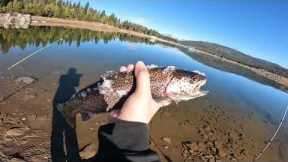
(69, 118)
(85, 116)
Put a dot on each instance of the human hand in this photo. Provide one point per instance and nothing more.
(140, 106)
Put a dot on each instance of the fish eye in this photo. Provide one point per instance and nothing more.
(195, 78)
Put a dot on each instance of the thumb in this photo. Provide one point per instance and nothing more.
(142, 80)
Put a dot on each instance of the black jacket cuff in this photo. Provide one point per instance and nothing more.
(125, 135)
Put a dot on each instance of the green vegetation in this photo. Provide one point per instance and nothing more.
(68, 10)
(41, 36)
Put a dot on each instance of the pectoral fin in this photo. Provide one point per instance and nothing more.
(163, 101)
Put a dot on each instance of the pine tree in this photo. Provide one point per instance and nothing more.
(4, 2)
(67, 9)
(86, 7)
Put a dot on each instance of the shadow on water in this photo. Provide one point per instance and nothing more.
(64, 144)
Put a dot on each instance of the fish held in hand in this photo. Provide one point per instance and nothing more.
(168, 85)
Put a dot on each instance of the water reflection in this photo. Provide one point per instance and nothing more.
(113, 50)
(41, 36)
(232, 92)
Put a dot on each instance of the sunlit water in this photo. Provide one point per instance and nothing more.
(92, 59)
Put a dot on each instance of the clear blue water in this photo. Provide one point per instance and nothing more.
(91, 60)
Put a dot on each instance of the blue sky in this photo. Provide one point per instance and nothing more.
(256, 27)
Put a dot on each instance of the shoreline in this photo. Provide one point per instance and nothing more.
(95, 26)
(281, 80)
(39, 21)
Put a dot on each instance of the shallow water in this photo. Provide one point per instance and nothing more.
(231, 92)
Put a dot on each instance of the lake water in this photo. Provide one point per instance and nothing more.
(233, 93)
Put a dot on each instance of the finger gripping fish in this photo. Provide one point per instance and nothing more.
(168, 85)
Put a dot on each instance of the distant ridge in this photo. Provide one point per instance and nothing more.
(237, 56)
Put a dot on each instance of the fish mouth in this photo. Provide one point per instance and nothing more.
(186, 97)
(200, 84)
(197, 92)
(201, 93)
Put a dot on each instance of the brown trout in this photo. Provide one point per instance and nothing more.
(168, 85)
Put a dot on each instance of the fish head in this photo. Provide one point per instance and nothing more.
(186, 85)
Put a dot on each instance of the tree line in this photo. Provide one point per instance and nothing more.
(69, 10)
(42, 36)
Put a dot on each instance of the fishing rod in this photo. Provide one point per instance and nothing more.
(259, 155)
(16, 91)
(29, 56)
(19, 62)
(159, 149)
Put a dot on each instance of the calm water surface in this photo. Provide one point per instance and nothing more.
(93, 59)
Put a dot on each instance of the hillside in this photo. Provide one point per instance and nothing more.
(231, 60)
(237, 56)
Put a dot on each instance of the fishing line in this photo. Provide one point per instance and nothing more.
(19, 62)
(16, 91)
(27, 57)
(259, 155)
(159, 149)
(5, 98)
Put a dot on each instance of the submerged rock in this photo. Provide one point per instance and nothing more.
(167, 140)
(16, 131)
(16, 160)
(29, 96)
(3, 157)
(25, 80)
(88, 151)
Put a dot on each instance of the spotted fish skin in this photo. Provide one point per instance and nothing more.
(168, 84)
(86, 102)
(116, 85)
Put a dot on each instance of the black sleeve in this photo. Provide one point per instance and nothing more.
(125, 142)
